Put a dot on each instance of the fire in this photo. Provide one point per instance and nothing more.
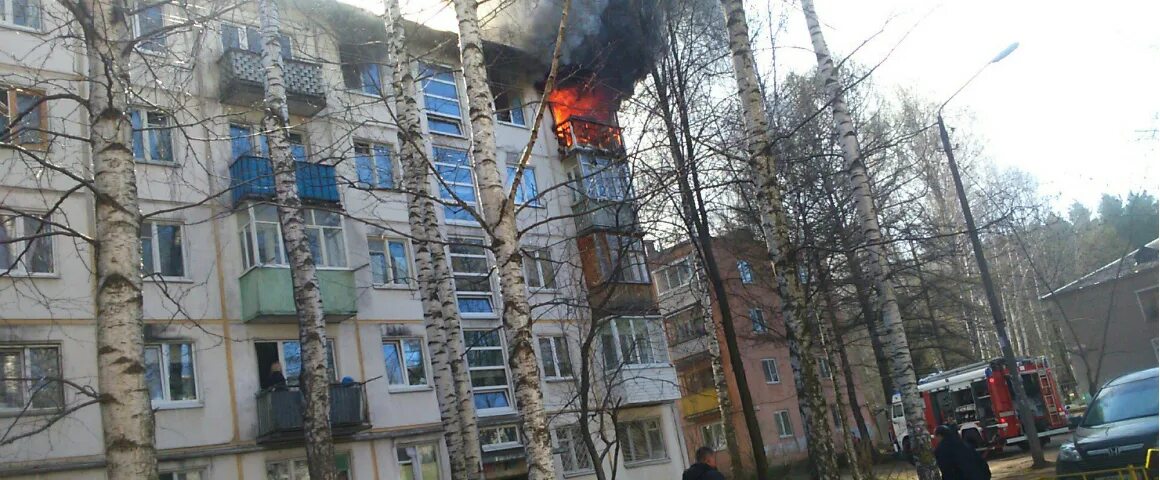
(585, 116)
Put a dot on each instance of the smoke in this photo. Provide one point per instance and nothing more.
(614, 41)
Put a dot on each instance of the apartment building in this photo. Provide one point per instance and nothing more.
(218, 300)
(686, 299)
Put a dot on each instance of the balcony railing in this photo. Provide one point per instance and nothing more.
(607, 215)
(252, 178)
(581, 133)
(267, 294)
(280, 412)
(243, 79)
(697, 403)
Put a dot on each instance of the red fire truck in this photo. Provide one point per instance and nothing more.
(979, 399)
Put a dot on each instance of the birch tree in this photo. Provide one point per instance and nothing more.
(499, 216)
(901, 366)
(440, 311)
(763, 168)
(315, 380)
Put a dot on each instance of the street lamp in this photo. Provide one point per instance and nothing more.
(1023, 407)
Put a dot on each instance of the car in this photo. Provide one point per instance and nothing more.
(1119, 427)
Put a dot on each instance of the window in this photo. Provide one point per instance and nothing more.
(161, 250)
(674, 276)
(622, 259)
(757, 316)
(471, 272)
(509, 107)
(603, 178)
(288, 355)
(499, 438)
(746, 271)
(22, 13)
(152, 140)
(896, 411)
(390, 261)
(824, 368)
(642, 440)
(697, 380)
(784, 425)
(245, 141)
(250, 38)
(360, 70)
(182, 475)
(713, 435)
(685, 325)
(30, 378)
(147, 26)
(441, 100)
(25, 244)
(457, 183)
(485, 365)
(837, 417)
(405, 365)
(372, 162)
(170, 372)
(526, 192)
(1149, 300)
(419, 462)
(632, 341)
(539, 270)
(573, 454)
(554, 357)
(22, 116)
(296, 469)
(769, 365)
(261, 237)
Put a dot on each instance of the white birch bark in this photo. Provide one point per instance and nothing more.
(441, 313)
(314, 381)
(126, 410)
(894, 336)
(500, 218)
(759, 145)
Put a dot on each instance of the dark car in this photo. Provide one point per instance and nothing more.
(1119, 427)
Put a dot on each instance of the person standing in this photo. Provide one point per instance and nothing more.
(705, 467)
(956, 460)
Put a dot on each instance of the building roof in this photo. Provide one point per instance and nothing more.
(1141, 259)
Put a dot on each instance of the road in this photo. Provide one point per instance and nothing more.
(1012, 464)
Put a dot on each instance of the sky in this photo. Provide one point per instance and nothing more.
(1077, 105)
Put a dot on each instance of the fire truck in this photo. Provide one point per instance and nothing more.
(980, 400)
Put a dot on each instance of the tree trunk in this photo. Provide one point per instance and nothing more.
(759, 143)
(499, 216)
(440, 310)
(865, 449)
(315, 380)
(902, 366)
(126, 409)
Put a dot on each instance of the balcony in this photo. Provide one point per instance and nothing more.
(252, 178)
(699, 403)
(609, 215)
(243, 80)
(280, 412)
(268, 295)
(581, 133)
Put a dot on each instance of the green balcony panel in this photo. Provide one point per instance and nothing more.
(268, 295)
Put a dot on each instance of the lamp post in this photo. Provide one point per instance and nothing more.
(1022, 405)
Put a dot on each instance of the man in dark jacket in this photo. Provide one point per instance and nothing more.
(956, 460)
(705, 468)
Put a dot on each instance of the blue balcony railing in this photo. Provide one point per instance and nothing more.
(252, 178)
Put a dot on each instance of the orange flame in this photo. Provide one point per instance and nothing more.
(583, 100)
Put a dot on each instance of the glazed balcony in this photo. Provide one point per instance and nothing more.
(579, 133)
(280, 412)
(243, 80)
(252, 178)
(609, 215)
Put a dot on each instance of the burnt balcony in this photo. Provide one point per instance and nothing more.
(243, 80)
(252, 178)
(575, 133)
(607, 215)
(280, 412)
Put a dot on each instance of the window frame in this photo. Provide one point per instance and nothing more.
(446, 186)
(784, 424)
(506, 389)
(164, 347)
(491, 447)
(534, 258)
(249, 232)
(290, 462)
(650, 424)
(374, 168)
(757, 319)
(573, 440)
(182, 474)
(160, 40)
(524, 197)
(515, 103)
(485, 256)
(392, 269)
(433, 70)
(767, 370)
(824, 368)
(658, 356)
(745, 272)
(332, 358)
(18, 238)
(711, 430)
(416, 467)
(400, 350)
(155, 249)
(612, 255)
(554, 355)
(144, 130)
(8, 14)
(661, 275)
(12, 94)
(26, 386)
(287, 42)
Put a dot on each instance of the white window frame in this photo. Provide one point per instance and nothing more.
(400, 344)
(156, 250)
(435, 69)
(163, 39)
(27, 386)
(757, 319)
(658, 352)
(488, 443)
(629, 448)
(664, 276)
(290, 462)
(523, 197)
(713, 436)
(391, 280)
(784, 423)
(8, 14)
(19, 246)
(572, 450)
(745, 272)
(249, 234)
(414, 463)
(506, 389)
(553, 354)
(371, 147)
(516, 103)
(452, 200)
(489, 295)
(12, 95)
(769, 369)
(164, 348)
(147, 130)
(535, 268)
(603, 178)
(622, 259)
